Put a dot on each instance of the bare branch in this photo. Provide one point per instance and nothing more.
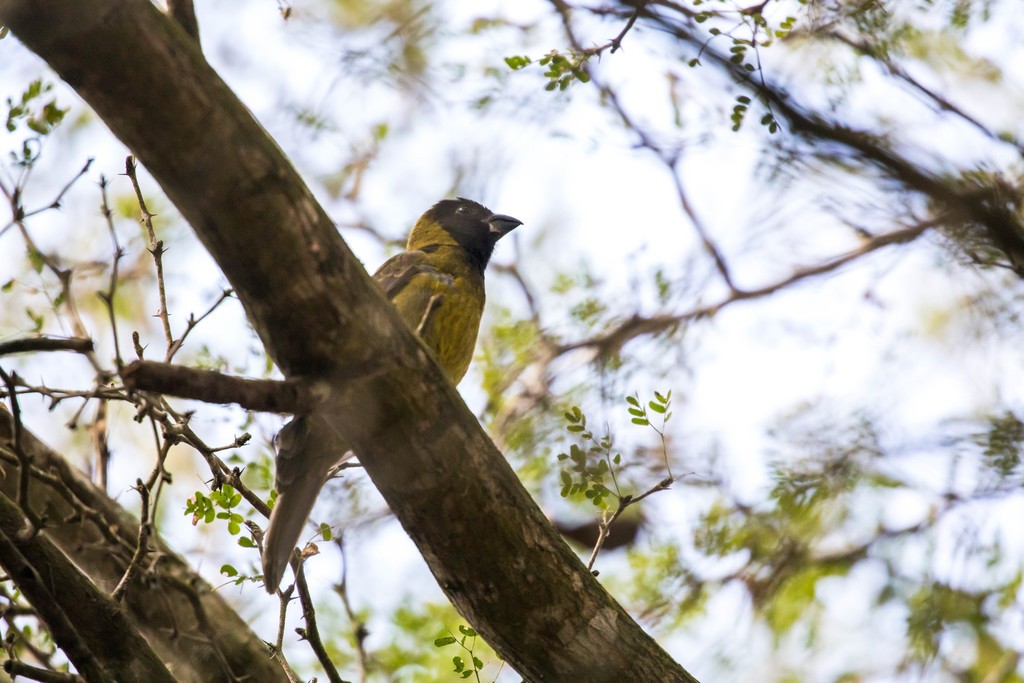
(193, 321)
(141, 545)
(24, 459)
(267, 395)
(311, 633)
(41, 344)
(637, 326)
(359, 631)
(34, 673)
(156, 248)
(108, 296)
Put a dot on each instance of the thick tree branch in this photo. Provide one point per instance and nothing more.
(266, 395)
(320, 315)
(87, 624)
(172, 605)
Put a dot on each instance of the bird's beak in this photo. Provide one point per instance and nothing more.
(501, 224)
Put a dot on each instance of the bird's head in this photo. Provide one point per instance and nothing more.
(463, 223)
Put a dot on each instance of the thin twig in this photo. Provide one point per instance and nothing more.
(83, 511)
(55, 203)
(193, 321)
(359, 631)
(624, 502)
(141, 545)
(616, 42)
(637, 326)
(108, 296)
(24, 459)
(156, 248)
(311, 633)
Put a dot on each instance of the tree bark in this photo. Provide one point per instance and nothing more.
(85, 623)
(319, 314)
(191, 628)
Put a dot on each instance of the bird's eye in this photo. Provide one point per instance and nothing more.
(462, 209)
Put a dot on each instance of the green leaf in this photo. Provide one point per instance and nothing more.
(442, 642)
(228, 570)
(467, 631)
(325, 531)
(36, 259)
(640, 421)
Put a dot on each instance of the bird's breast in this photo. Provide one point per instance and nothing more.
(446, 313)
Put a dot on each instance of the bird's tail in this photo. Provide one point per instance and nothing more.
(303, 466)
(286, 521)
(308, 452)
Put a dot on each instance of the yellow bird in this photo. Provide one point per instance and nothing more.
(437, 285)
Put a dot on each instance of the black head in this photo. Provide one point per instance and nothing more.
(464, 223)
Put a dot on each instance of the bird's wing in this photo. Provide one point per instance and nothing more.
(399, 270)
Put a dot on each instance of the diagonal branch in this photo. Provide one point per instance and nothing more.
(638, 326)
(100, 537)
(321, 316)
(87, 624)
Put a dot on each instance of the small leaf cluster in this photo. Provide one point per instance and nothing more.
(1002, 444)
(785, 27)
(660, 404)
(517, 62)
(561, 69)
(739, 112)
(41, 119)
(461, 667)
(40, 114)
(584, 468)
(220, 504)
(238, 578)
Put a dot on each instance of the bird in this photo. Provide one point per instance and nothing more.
(437, 285)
